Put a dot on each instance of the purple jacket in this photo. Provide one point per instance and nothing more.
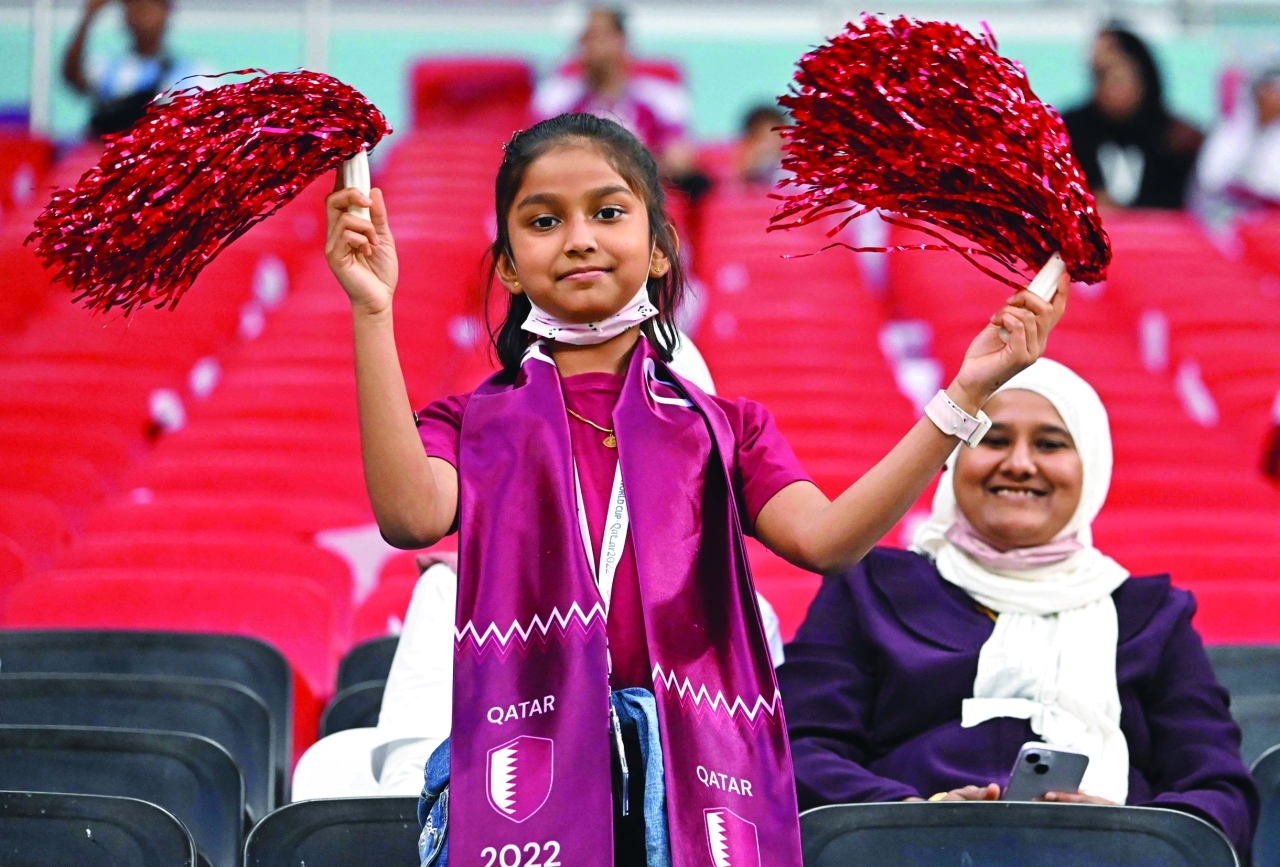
(874, 679)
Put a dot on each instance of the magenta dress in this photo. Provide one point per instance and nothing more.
(765, 461)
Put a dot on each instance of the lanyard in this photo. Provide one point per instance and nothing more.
(616, 523)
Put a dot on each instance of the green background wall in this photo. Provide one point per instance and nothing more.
(726, 74)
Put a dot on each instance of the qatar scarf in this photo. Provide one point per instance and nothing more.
(530, 762)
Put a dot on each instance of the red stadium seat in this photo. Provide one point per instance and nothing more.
(37, 522)
(252, 473)
(1243, 611)
(475, 92)
(383, 612)
(232, 553)
(300, 517)
(284, 610)
(24, 161)
(67, 480)
(108, 449)
(14, 565)
(27, 285)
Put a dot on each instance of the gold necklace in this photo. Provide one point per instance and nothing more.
(610, 441)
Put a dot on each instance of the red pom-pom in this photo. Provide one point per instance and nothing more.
(193, 175)
(924, 120)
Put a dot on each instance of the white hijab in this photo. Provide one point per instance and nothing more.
(1052, 656)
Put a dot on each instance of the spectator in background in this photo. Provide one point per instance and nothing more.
(760, 148)
(1241, 159)
(120, 87)
(605, 83)
(1133, 151)
(922, 673)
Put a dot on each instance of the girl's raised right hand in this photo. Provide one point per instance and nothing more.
(361, 253)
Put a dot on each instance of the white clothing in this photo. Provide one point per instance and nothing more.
(416, 714)
(1240, 154)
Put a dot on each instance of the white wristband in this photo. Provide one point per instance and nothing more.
(954, 421)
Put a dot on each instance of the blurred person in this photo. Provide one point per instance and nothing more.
(654, 109)
(760, 148)
(1133, 151)
(119, 87)
(920, 674)
(1241, 159)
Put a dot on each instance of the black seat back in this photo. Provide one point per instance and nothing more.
(227, 713)
(38, 829)
(1266, 842)
(353, 708)
(1007, 834)
(192, 777)
(1247, 669)
(337, 833)
(247, 661)
(367, 661)
(1259, 719)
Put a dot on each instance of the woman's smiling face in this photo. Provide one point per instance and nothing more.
(579, 237)
(1021, 485)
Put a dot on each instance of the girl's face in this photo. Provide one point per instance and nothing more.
(579, 237)
(1022, 484)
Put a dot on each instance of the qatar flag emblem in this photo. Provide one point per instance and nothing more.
(520, 774)
(732, 839)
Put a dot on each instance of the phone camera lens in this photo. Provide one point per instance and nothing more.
(1033, 758)
(1042, 768)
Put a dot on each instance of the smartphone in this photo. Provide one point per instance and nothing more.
(1041, 768)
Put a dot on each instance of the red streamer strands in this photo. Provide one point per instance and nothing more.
(930, 125)
(197, 172)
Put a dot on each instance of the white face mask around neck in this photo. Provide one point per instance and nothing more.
(636, 311)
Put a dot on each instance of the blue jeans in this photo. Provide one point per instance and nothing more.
(634, 707)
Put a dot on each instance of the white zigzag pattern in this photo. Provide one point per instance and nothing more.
(555, 618)
(502, 779)
(701, 695)
(718, 839)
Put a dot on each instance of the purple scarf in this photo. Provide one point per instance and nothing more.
(530, 781)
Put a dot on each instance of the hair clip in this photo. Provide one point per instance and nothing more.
(515, 135)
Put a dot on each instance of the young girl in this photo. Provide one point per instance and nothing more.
(601, 503)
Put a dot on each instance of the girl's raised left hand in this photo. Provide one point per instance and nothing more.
(992, 361)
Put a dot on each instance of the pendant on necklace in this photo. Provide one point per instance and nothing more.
(611, 441)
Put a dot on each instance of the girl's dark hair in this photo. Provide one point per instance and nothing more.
(1133, 47)
(630, 159)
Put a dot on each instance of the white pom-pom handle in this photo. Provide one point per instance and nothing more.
(1044, 284)
(355, 173)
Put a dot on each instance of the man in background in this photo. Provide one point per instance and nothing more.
(605, 82)
(120, 86)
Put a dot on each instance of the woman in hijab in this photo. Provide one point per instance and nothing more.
(1133, 151)
(920, 674)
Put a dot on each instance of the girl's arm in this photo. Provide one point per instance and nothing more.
(414, 497)
(801, 525)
